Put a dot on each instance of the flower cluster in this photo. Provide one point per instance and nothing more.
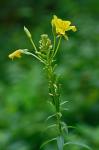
(60, 26)
(45, 43)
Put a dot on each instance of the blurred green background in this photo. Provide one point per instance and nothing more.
(23, 85)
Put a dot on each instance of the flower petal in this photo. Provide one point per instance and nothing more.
(16, 53)
(61, 26)
(73, 28)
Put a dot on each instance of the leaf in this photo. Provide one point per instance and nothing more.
(64, 127)
(59, 114)
(64, 109)
(51, 126)
(60, 142)
(79, 144)
(63, 103)
(50, 117)
(71, 127)
(54, 67)
(46, 142)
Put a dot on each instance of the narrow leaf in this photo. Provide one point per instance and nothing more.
(63, 103)
(64, 127)
(51, 126)
(64, 109)
(60, 142)
(50, 117)
(79, 144)
(46, 142)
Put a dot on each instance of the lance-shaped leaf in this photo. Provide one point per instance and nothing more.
(79, 144)
(46, 142)
(60, 142)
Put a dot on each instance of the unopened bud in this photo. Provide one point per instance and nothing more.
(27, 32)
(45, 43)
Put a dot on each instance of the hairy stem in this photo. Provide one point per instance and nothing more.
(54, 93)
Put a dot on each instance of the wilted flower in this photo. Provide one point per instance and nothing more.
(61, 26)
(16, 54)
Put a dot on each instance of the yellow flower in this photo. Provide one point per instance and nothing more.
(16, 54)
(61, 26)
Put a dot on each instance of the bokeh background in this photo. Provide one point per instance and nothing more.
(23, 84)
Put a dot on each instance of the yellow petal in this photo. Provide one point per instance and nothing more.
(58, 24)
(61, 26)
(16, 54)
(73, 28)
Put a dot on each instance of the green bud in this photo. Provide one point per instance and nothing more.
(45, 43)
(27, 32)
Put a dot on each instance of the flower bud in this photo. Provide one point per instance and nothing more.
(45, 43)
(27, 32)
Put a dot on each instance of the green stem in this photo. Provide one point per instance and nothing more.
(54, 42)
(57, 47)
(33, 45)
(29, 53)
(54, 37)
(54, 93)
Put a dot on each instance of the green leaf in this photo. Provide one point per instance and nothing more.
(51, 126)
(72, 127)
(60, 115)
(50, 117)
(64, 127)
(64, 109)
(46, 142)
(63, 103)
(60, 142)
(54, 67)
(79, 144)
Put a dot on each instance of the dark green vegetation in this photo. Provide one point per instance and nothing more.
(23, 86)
